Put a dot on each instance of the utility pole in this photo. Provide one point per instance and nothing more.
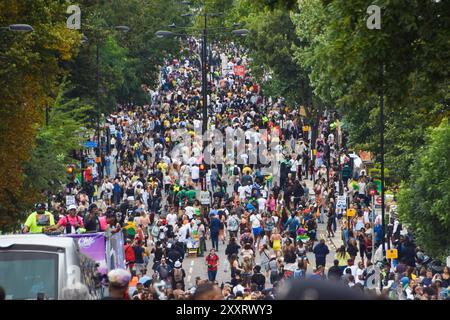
(204, 77)
(382, 167)
(98, 153)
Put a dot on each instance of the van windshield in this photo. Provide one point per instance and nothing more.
(25, 274)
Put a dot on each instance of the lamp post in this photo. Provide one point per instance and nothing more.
(372, 193)
(18, 28)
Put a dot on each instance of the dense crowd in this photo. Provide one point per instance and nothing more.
(267, 221)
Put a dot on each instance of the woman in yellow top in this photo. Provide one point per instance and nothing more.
(342, 256)
(276, 242)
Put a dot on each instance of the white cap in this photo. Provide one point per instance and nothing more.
(72, 206)
(119, 277)
(177, 264)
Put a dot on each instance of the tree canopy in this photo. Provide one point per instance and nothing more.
(424, 200)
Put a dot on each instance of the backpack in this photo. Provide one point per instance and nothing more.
(299, 273)
(236, 171)
(233, 224)
(163, 272)
(177, 275)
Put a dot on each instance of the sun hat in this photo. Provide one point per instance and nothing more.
(72, 206)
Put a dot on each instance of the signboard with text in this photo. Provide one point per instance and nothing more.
(205, 198)
(239, 71)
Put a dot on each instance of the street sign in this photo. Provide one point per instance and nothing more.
(351, 213)
(378, 200)
(90, 144)
(70, 200)
(239, 71)
(205, 198)
(341, 202)
(392, 254)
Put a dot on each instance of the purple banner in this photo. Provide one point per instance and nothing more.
(93, 245)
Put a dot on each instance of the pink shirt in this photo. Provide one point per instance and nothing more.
(102, 222)
(72, 220)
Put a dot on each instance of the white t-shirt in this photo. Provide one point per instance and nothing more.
(359, 272)
(241, 191)
(261, 204)
(171, 219)
(255, 220)
(190, 211)
(362, 188)
(366, 217)
(294, 165)
(182, 233)
(353, 268)
(195, 171)
(238, 288)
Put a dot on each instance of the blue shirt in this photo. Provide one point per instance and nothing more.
(214, 226)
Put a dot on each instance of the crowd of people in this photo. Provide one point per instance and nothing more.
(267, 222)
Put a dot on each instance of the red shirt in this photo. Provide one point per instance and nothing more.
(213, 262)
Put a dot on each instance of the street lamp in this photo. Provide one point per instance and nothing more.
(240, 32)
(122, 28)
(164, 33)
(19, 27)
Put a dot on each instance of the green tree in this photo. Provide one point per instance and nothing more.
(31, 65)
(424, 201)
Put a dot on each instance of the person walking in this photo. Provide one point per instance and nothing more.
(201, 232)
(212, 261)
(214, 228)
(178, 274)
(233, 224)
(320, 252)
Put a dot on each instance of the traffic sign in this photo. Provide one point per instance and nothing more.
(378, 200)
(351, 212)
(205, 198)
(392, 254)
(90, 144)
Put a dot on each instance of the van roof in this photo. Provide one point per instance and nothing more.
(35, 239)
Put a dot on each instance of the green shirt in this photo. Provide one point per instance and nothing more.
(31, 222)
(191, 194)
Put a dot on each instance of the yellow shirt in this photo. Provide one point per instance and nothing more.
(31, 222)
(343, 260)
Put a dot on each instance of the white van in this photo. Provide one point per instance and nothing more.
(37, 266)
